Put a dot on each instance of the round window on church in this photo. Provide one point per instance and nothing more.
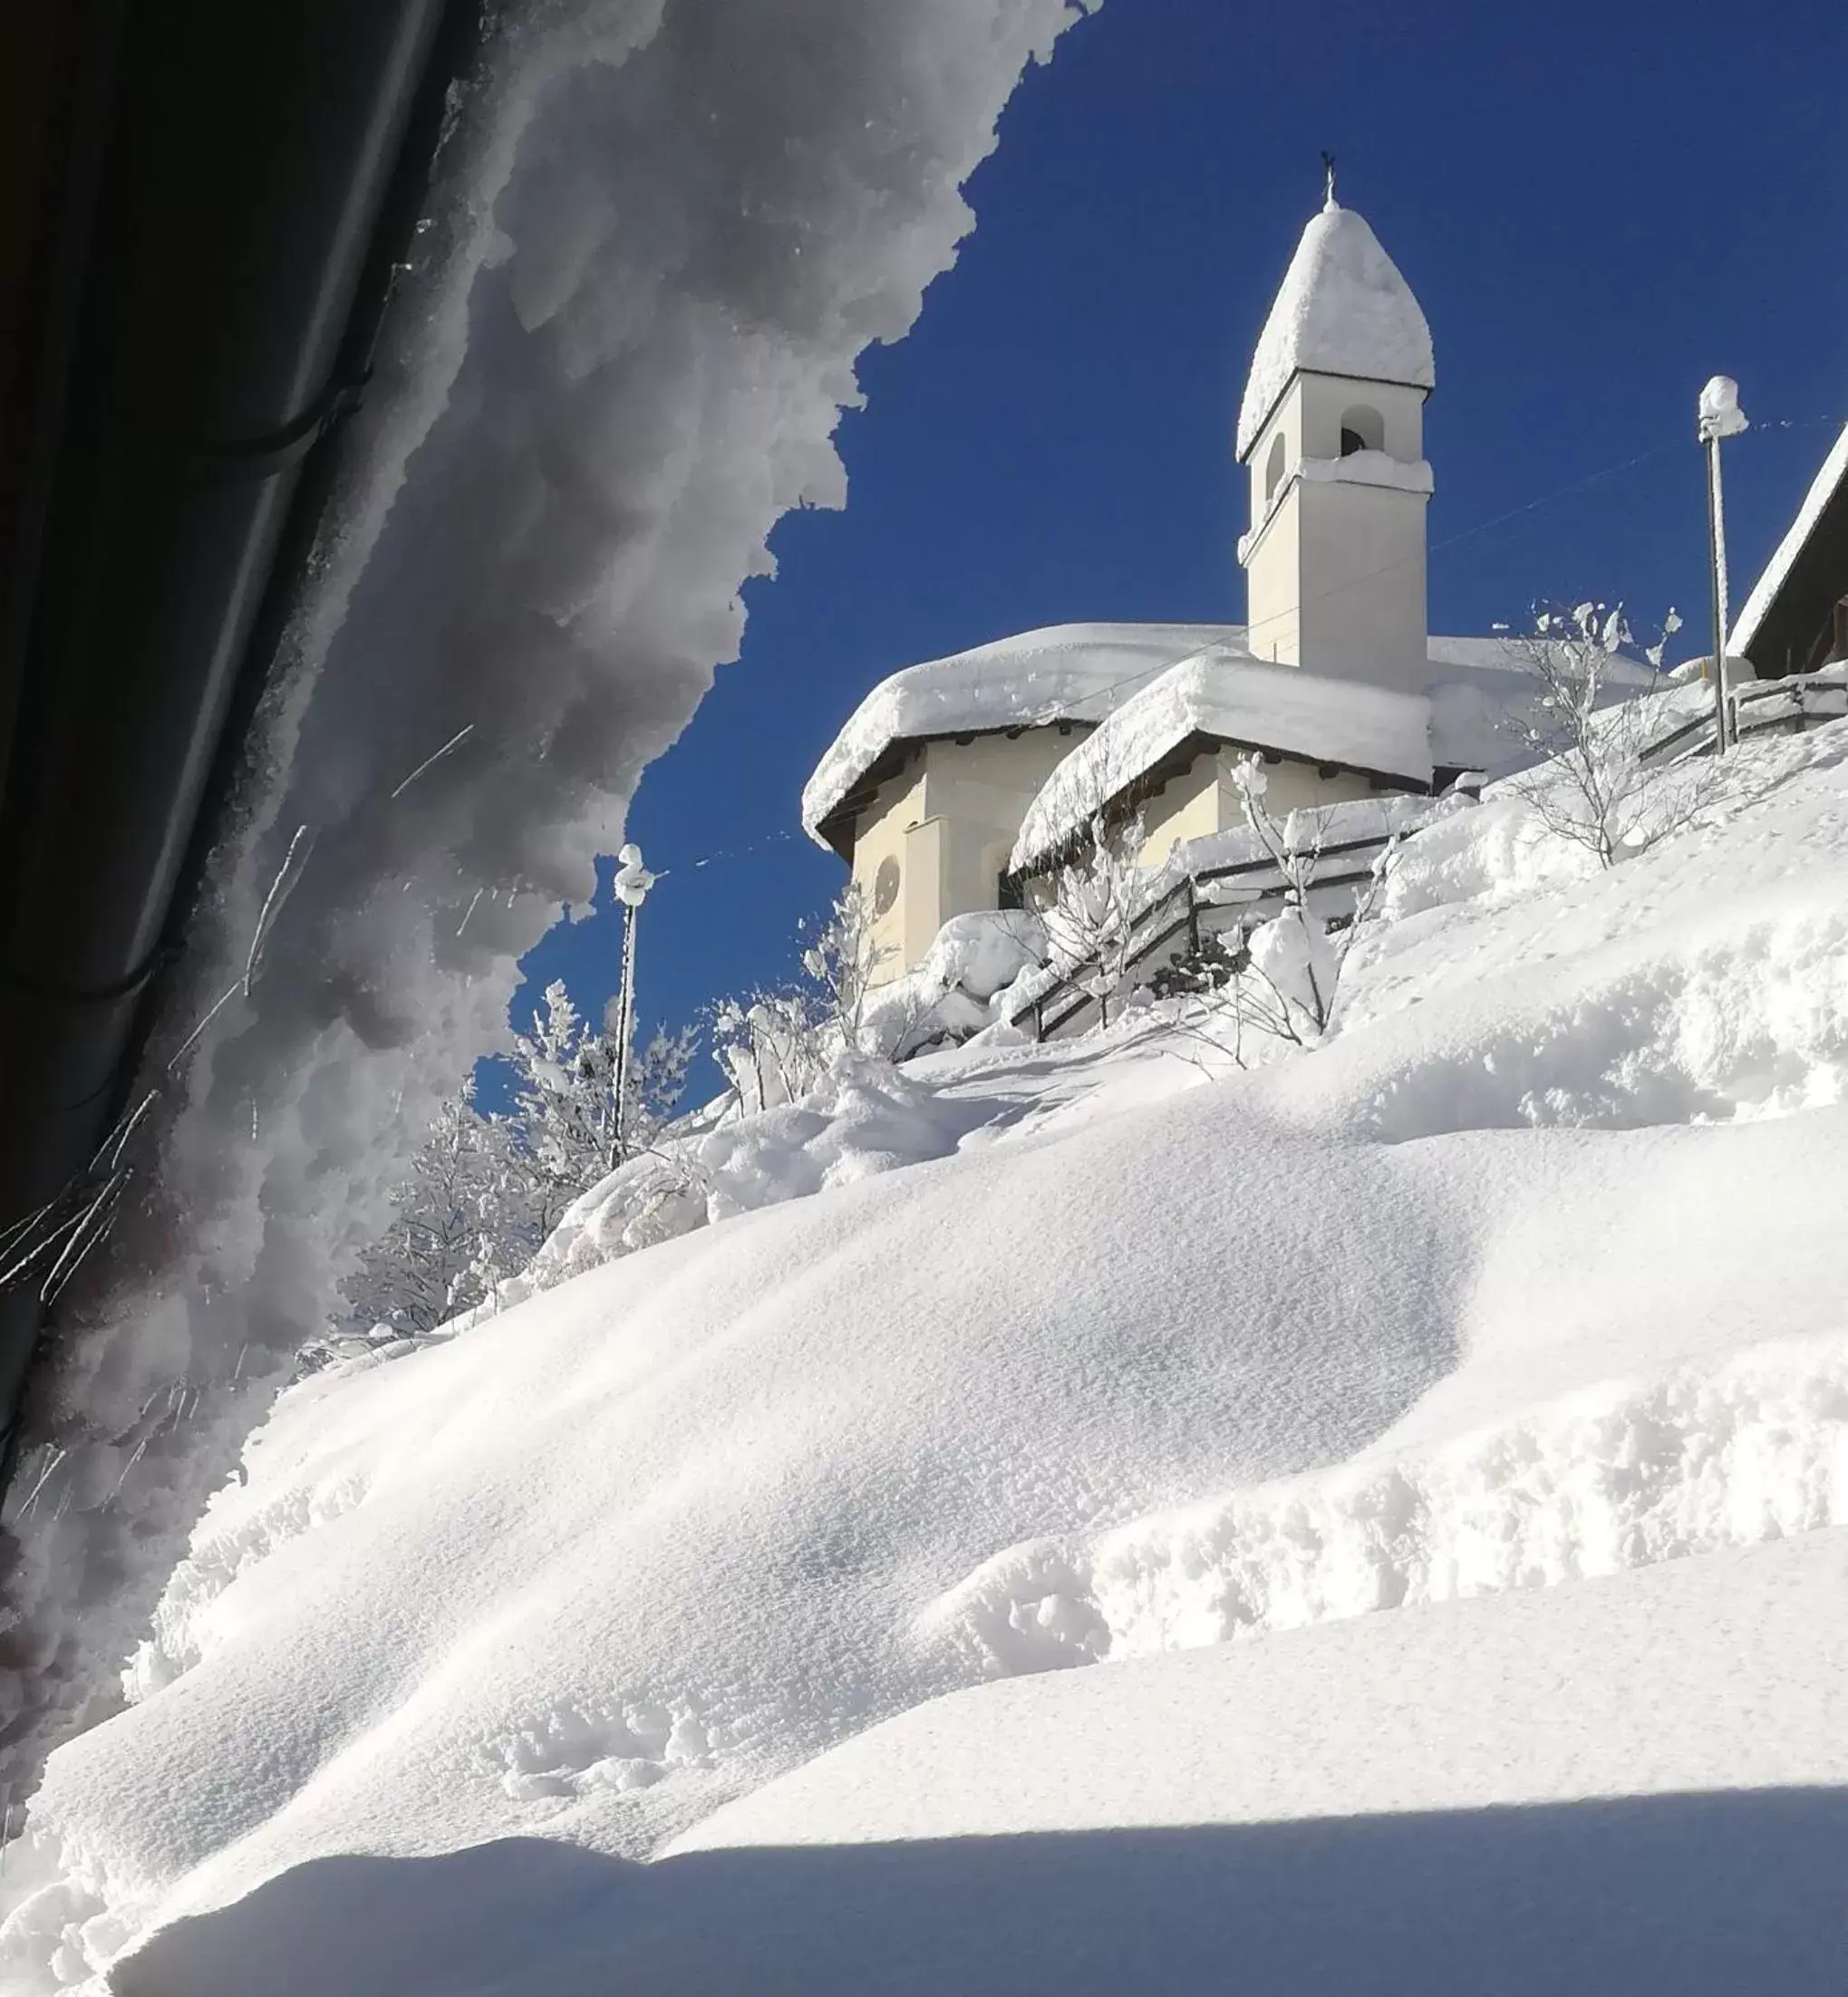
(885, 887)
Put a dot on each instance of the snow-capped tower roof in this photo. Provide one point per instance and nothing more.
(1343, 309)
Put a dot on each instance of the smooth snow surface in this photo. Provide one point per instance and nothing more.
(1823, 488)
(1529, 1274)
(1638, 1784)
(1526, 1699)
(1343, 309)
(1068, 672)
(663, 231)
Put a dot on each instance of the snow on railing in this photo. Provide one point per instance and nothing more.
(1787, 706)
(1217, 887)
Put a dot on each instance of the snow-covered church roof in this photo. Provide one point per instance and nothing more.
(1343, 309)
(1065, 671)
(1460, 722)
(1225, 694)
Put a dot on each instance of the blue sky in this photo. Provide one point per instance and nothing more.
(1598, 205)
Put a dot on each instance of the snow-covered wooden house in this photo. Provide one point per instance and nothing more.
(1797, 617)
(957, 780)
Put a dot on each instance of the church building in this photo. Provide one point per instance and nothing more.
(959, 780)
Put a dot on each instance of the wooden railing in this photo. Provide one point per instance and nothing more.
(1766, 707)
(1171, 928)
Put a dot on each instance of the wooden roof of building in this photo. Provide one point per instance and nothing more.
(1791, 621)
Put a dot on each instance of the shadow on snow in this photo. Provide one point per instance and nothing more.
(1701, 1894)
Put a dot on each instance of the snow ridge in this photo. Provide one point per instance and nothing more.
(1603, 1480)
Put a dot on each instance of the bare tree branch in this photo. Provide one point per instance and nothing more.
(1589, 726)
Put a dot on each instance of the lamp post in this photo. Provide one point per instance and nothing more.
(1719, 416)
(632, 884)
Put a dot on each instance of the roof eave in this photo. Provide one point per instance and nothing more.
(1800, 564)
(1172, 762)
(838, 825)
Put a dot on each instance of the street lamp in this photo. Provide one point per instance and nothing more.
(1719, 416)
(632, 884)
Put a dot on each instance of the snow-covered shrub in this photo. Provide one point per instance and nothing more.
(983, 953)
(570, 1128)
(487, 1192)
(658, 1079)
(564, 1104)
(775, 1046)
(771, 1047)
(1204, 967)
(1283, 978)
(841, 961)
(865, 1116)
(454, 1231)
(951, 994)
(1589, 728)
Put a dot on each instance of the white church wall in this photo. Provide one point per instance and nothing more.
(1309, 420)
(1288, 786)
(1274, 570)
(882, 868)
(944, 827)
(982, 789)
(1285, 423)
(1205, 799)
(1187, 807)
(1361, 612)
(922, 895)
(1334, 570)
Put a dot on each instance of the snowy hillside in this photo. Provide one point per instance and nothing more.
(1529, 1276)
(1348, 1831)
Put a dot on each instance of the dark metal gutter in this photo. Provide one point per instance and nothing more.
(255, 173)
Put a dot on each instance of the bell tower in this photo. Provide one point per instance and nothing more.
(1332, 435)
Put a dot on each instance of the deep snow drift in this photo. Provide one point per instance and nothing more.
(665, 228)
(1530, 1274)
(1451, 1800)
